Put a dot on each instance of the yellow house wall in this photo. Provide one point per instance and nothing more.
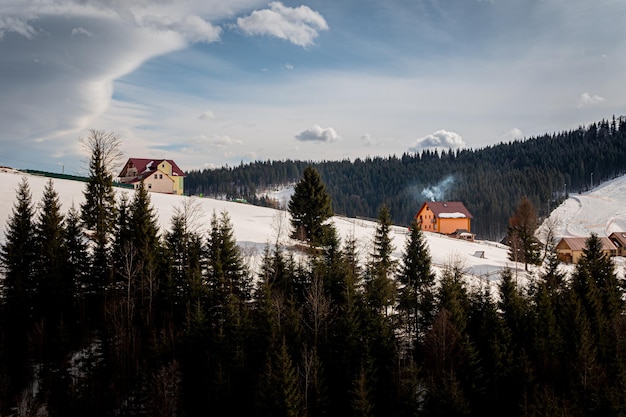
(178, 185)
(166, 167)
(448, 226)
(159, 182)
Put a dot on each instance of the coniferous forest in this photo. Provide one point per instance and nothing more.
(490, 181)
(102, 314)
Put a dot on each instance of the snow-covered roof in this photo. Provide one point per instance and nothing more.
(453, 215)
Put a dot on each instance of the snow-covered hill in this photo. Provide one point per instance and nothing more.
(255, 227)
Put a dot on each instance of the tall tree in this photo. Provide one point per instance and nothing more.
(17, 255)
(524, 245)
(380, 287)
(55, 287)
(417, 280)
(310, 206)
(98, 211)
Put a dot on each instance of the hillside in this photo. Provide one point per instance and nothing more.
(490, 181)
(256, 226)
(601, 210)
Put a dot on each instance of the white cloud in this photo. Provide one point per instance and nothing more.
(207, 115)
(17, 25)
(298, 25)
(512, 134)
(318, 134)
(192, 27)
(439, 139)
(289, 66)
(368, 140)
(216, 141)
(81, 31)
(587, 99)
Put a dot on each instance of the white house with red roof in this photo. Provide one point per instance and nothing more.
(157, 175)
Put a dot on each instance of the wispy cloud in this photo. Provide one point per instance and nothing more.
(318, 134)
(439, 139)
(216, 141)
(207, 115)
(81, 31)
(191, 27)
(512, 134)
(298, 25)
(16, 25)
(587, 99)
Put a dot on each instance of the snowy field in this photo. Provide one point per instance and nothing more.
(255, 227)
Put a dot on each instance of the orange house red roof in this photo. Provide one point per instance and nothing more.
(448, 209)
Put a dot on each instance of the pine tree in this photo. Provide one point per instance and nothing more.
(17, 256)
(380, 288)
(309, 207)
(98, 211)
(55, 288)
(417, 280)
(146, 242)
(77, 262)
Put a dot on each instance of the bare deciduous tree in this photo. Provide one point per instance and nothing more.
(108, 147)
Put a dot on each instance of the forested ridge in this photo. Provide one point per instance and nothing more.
(490, 181)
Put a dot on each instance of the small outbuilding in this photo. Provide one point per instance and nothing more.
(570, 249)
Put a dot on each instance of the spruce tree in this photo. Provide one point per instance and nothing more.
(17, 257)
(55, 287)
(98, 211)
(309, 207)
(380, 287)
(417, 280)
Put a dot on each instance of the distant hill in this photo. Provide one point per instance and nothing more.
(490, 181)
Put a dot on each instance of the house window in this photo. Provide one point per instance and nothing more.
(160, 176)
(149, 186)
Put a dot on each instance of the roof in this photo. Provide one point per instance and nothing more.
(618, 238)
(448, 209)
(580, 243)
(147, 166)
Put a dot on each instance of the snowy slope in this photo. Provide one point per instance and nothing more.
(255, 227)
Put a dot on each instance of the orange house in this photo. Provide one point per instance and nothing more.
(446, 217)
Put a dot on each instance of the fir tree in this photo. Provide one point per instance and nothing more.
(17, 256)
(55, 287)
(417, 280)
(98, 211)
(380, 288)
(309, 207)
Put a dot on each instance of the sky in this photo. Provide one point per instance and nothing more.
(210, 83)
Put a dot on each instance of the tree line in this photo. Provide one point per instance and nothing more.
(490, 181)
(103, 314)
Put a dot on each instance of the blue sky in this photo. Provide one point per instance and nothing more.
(215, 82)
